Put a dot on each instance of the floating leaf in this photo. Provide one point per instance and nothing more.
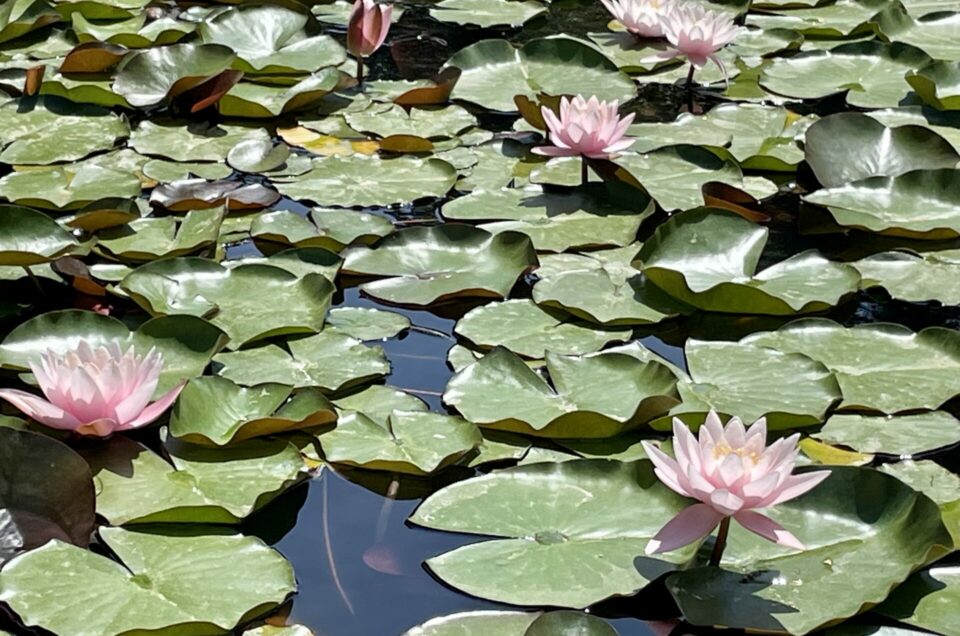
(151, 238)
(35, 506)
(328, 360)
(865, 532)
(487, 13)
(196, 582)
(191, 194)
(937, 84)
(247, 99)
(599, 395)
(69, 186)
(914, 277)
(429, 123)
(150, 76)
(249, 302)
(329, 229)
(895, 435)
(134, 32)
(365, 323)
(409, 442)
(936, 482)
(214, 410)
(183, 141)
(707, 257)
(28, 237)
(258, 155)
(881, 367)
(570, 531)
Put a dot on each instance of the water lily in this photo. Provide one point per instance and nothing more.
(733, 473)
(95, 391)
(641, 17)
(586, 128)
(698, 34)
(367, 29)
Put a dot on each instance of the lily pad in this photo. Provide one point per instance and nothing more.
(35, 507)
(409, 442)
(367, 181)
(29, 237)
(378, 401)
(19, 17)
(202, 485)
(500, 623)
(150, 238)
(936, 482)
(865, 533)
(214, 410)
(598, 395)
(487, 13)
(569, 530)
(197, 583)
(494, 72)
(919, 204)
(848, 147)
(914, 277)
(329, 229)
(152, 75)
(603, 287)
(183, 141)
(329, 360)
(935, 33)
(187, 343)
(384, 120)
(555, 219)
(938, 84)
(424, 265)
(707, 258)
(69, 186)
(52, 130)
(249, 302)
(271, 39)
(880, 367)
(901, 435)
(871, 73)
(248, 99)
(134, 32)
(928, 599)
(533, 331)
(728, 377)
(366, 323)
(258, 155)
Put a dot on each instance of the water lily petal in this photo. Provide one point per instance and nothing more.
(689, 525)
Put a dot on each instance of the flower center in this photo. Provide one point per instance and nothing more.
(722, 450)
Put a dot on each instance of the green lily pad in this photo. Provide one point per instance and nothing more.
(865, 533)
(846, 18)
(329, 360)
(935, 33)
(249, 302)
(928, 599)
(914, 277)
(134, 33)
(330, 229)
(82, 90)
(162, 171)
(603, 287)
(202, 485)
(495, 166)
(598, 395)
(299, 261)
(501, 623)
(728, 377)
(150, 238)
(919, 204)
(494, 72)
(19, 17)
(183, 141)
(871, 73)
(409, 442)
(384, 120)
(69, 186)
(54, 131)
(100, 9)
(187, 343)
(756, 137)
(880, 367)
(935, 482)
(29, 237)
(937, 84)
(152, 75)
(487, 13)
(247, 99)
(188, 583)
(378, 401)
(424, 265)
(214, 410)
(367, 181)
(271, 39)
(849, 147)
(533, 331)
(272, 630)
(895, 435)
(569, 530)
(258, 155)
(365, 323)
(35, 507)
(707, 258)
(557, 220)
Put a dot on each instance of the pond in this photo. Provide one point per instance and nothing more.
(479, 317)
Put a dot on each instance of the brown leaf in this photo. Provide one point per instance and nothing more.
(33, 80)
(437, 94)
(406, 144)
(92, 57)
(723, 195)
(199, 194)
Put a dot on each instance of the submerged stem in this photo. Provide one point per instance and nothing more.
(584, 171)
(359, 69)
(720, 543)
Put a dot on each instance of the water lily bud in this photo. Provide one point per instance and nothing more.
(368, 27)
(95, 391)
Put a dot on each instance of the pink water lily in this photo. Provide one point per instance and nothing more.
(586, 127)
(367, 29)
(734, 474)
(641, 17)
(698, 34)
(95, 391)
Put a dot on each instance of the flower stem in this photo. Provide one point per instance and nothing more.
(584, 172)
(359, 69)
(689, 84)
(720, 543)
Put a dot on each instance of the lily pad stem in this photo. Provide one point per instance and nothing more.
(34, 280)
(359, 69)
(720, 543)
(584, 171)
